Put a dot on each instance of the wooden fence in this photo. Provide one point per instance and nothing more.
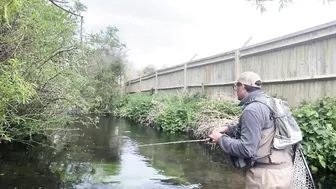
(299, 66)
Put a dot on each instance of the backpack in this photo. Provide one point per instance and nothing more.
(287, 131)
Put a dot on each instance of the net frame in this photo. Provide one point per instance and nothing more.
(301, 177)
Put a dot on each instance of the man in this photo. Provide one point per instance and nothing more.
(249, 144)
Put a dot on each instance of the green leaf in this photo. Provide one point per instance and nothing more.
(330, 113)
(323, 163)
(300, 115)
(318, 147)
(314, 169)
(321, 160)
(314, 122)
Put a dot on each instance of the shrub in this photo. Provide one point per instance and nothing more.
(219, 108)
(318, 124)
(135, 107)
(213, 113)
(178, 114)
(171, 113)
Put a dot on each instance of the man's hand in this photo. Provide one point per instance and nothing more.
(221, 129)
(215, 136)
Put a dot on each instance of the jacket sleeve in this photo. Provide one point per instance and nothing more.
(246, 146)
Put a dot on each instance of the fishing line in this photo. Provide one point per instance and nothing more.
(175, 142)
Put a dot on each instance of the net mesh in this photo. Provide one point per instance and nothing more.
(301, 178)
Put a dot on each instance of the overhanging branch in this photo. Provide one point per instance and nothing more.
(57, 53)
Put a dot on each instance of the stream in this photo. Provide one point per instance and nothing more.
(109, 157)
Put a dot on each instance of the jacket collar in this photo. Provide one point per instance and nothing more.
(250, 97)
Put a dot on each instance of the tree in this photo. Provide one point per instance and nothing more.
(260, 4)
(47, 81)
(149, 69)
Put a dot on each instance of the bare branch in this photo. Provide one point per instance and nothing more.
(53, 100)
(59, 51)
(53, 77)
(60, 1)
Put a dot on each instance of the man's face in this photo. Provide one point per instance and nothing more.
(240, 90)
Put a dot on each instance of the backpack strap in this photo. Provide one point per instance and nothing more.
(264, 100)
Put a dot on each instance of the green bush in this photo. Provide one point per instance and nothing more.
(318, 124)
(178, 114)
(135, 107)
(171, 113)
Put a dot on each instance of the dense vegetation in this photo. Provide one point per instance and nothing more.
(174, 113)
(52, 74)
(318, 124)
(198, 115)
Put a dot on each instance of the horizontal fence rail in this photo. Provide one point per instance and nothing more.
(299, 66)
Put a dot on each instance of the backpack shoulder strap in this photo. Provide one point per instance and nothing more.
(266, 100)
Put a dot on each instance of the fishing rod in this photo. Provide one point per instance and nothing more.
(176, 142)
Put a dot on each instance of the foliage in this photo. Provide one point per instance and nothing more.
(52, 74)
(261, 4)
(179, 113)
(219, 108)
(13, 90)
(136, 107)
(213, 113)
(200, 115)
(149, 69)
(8, 10)
(317, 120)
(106, 67)
(172, 113)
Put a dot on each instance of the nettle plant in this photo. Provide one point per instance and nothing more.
(318, 124)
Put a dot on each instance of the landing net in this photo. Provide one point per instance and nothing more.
(302, 178)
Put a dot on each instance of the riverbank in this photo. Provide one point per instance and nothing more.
(198, 115)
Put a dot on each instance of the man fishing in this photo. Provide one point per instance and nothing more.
(250, 143)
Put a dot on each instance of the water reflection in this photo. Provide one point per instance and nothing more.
(108, 157)
(189, 163)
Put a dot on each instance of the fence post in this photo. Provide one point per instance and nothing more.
(202, 88)
(156, 82)
(185, 72)
(129, 86)
(237, 65)
(185, 76)
(126, 87)
(237, 69)
(140, 85)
